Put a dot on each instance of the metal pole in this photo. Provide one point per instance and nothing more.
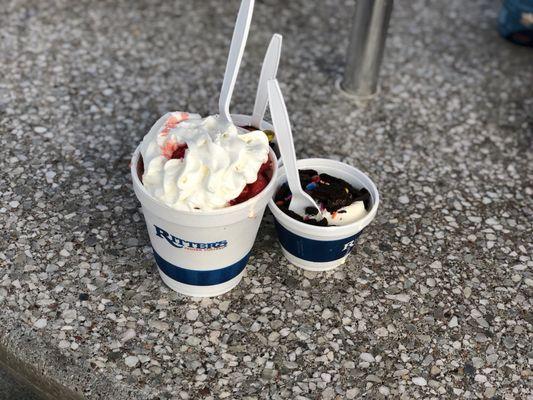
(365, 50)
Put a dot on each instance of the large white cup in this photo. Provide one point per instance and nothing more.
(202, 253)
(321, 248)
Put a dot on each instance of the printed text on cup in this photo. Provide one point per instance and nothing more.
(187, 245)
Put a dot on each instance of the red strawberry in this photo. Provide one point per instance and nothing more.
(179, 153)
(257, 186)
(251, 190)
(265, 167)
(169, 148)
(242, 197)
(174, 150)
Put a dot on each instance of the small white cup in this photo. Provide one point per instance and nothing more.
(202, 253)
(321, 248)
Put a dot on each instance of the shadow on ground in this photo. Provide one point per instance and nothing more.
(13, 389)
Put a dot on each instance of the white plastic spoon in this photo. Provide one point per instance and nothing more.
(236, 50)
(268, 72)
(280, 118)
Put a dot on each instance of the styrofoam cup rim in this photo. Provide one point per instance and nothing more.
(243, 119)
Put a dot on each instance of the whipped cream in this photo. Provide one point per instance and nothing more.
(218, 161)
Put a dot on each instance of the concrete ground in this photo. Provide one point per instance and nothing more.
(435, 302)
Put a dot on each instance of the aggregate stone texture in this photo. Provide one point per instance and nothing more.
(435, 301)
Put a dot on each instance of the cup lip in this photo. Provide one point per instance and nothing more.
(325, 231)
(243, 119)
(219, 211)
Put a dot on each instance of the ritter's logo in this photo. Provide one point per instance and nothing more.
(348, 246)
(185, 244)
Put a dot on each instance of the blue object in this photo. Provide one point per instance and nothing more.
(200, 278)
(310, 186)
(315, 250)
(516, 21)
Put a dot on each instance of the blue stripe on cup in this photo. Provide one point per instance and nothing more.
(315, 250)
(201, 278)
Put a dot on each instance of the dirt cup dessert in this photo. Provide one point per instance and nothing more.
(320, 240)
(340, 203)
(203, 184)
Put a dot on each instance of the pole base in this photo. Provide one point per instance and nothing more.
(354, 95)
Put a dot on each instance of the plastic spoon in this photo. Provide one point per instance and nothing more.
(280, 118)
(236, 50)
(268, 72)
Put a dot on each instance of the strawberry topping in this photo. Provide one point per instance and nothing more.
(174, 150)
(179, 153)
(173, 121)
(253, 189)
(265, 167)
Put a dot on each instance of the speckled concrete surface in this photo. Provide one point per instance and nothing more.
(436, 300)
